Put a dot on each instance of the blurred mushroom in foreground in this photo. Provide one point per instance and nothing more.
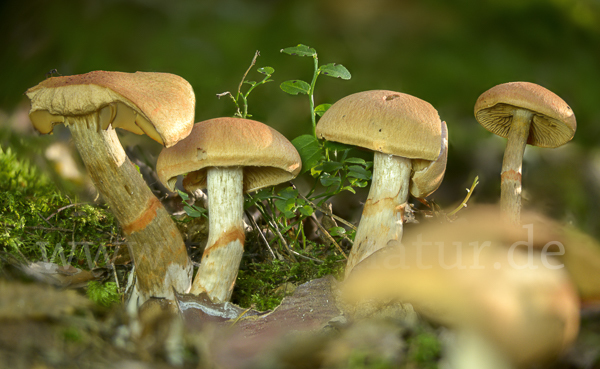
(486, 280)
(524, 113)
(407, 136)
(228, 156)
(92, 105)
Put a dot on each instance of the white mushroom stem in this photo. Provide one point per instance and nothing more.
(153, 239)
(510, 200)
(383, 213)
(223, 253)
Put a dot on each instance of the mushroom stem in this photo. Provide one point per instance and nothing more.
(510, 201)
(225, 246)
(383, 213)
(153, 239)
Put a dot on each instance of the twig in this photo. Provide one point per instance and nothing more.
(287, 247)
(463, 204)
(61, 209)
(325, 210)
(112, 263)
(307, 257)
(256, 55)
(273, 226)
(49, 228)
(240, 316)
(324, 231)
(262, 236)
(47, 222)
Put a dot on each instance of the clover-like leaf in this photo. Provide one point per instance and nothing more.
(337, 231)
(300, 50)
(295, 87)
(306, 210)
(335, 70)
(288, 193)
(321, 109)
(266, 70)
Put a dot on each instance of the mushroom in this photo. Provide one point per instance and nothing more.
(407, 136)
(524, 113)
(227, 156)
(92, 105)
(509, 305)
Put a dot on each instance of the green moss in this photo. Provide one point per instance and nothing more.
(72, 334)
(365, 360)
(257, 282)
(103, 294)
(424, 350)
(39, 223)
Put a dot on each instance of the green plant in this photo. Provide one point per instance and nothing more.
(257, 282)
(192, 210)
(333, 169)
(40, 223)
(424, 349)
(242, 107)
(103, 294)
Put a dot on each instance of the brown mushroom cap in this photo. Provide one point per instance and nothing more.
(159, 104)
(267, 156)
(385, 121)
(553, 122)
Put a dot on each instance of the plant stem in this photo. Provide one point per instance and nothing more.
(312, 97)
(463, 204)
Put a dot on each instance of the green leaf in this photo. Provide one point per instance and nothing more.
(337, 231)
(194, 211)
(295, 87)
(310, 151)
(266, 70)
(332, 166)
(359, 172)
(321, 109)
(258, 196)
(184, 196)
(316, 170)
(335, 70)
(300, 50)
(328, 181)
(336, 146)
(357, 161)
(348, 188)
(288, 193)
(306, 210)
(251, 83)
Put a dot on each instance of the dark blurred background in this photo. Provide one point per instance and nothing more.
(445, 52)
